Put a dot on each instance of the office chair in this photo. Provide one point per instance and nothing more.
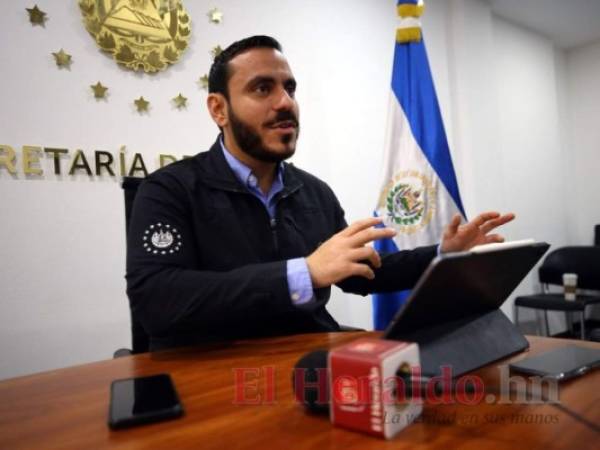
(140, 341)
(582, 260)
(139, 338)
(595, 333)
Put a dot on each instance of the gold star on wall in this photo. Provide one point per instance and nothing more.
(141, 104)
(99, 90)
(215, 16)
(203, 82)
(180, 101)
(216, 51)
(36, 16)
(62, 59)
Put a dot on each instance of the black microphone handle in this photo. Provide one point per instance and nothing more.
(313, 367)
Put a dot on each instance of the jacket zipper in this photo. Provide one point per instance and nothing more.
(273, 223)
(272, 220)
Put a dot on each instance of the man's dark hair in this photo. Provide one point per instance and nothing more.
(220, 74)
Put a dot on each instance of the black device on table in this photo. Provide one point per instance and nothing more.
(135, 401)
(560, 364)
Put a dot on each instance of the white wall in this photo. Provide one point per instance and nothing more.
(499, 87)
(582, 180)
(583, 145)
(502, 94)
(528, 139)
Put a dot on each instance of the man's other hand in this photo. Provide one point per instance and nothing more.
(345, 253)
(459, 237)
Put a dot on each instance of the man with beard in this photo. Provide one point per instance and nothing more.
(236, 243)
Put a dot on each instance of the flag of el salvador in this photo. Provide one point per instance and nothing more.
(419, 192)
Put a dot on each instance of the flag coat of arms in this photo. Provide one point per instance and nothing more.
(419, 193)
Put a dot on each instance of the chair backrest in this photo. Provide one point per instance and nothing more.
(139, 338)
(582, 260)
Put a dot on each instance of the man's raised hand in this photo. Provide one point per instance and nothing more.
(459, 237)
(345, 253)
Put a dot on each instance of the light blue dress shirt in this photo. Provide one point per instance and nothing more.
(298, 277)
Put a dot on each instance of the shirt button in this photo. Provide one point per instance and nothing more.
(252, 181)
(295, 296)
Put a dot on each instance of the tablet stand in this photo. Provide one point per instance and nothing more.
(466, 344)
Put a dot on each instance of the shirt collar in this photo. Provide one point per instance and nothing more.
(244, 174)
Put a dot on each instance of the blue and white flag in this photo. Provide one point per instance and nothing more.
(419, 193)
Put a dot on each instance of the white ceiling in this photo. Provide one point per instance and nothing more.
(568, 23)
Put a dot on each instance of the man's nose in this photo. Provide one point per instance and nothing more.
(284, 100)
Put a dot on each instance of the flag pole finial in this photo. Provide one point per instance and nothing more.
(410, 26)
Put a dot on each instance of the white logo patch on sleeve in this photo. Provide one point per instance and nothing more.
(162, 239)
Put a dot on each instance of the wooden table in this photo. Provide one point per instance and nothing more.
(67, 408)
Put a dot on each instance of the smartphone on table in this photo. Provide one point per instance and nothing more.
(135, 401)
(561, 363)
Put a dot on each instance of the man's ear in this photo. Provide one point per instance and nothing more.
(217, 107)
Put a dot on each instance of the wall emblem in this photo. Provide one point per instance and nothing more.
(161, 239)
(408, 201)
(146, 35)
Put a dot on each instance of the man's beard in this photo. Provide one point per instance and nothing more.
(252, 144)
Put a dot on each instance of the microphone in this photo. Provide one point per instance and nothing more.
(310, 382)
(361, 384)
(323, 382)
(311, 388)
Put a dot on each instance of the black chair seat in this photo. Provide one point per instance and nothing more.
(556, 302)
(349, 328)
(122, 352)
(580, 260)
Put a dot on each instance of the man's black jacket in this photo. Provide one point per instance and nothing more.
(206, 262)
